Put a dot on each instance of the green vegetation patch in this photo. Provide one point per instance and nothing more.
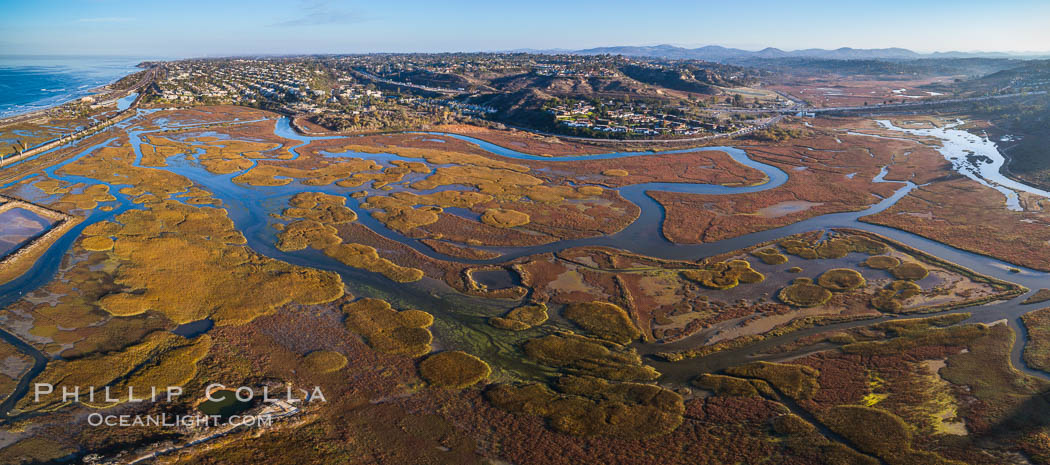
(796, 381)
(605, 320)
(841, 279)
(324, 361)
(1040, 296)
(97, 243)
(36, 449)
(161, 359)
(724, 275)
(102, 228)
(914, 326)
(799, 249)
(388, 330)
(593, 407)
(911, 271)
(320, 207)
(803, 293)
(589, 356)
(1037, 349)
(521, 318)
(792, 424)
(881, 262)
(892, 297)
(836, 247)
(880, 433)
(950, 336)
(502, 218)
(307, 233)
(770, 256)
(732, 386)
(189, 264)
(453, 369)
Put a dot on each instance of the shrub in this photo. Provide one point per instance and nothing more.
(950, 336)
(102, 228)
(453, 369)
(880, 433)
(307, 233)
(892, 297)
(589, 356)
(726, 385)
(841, 279)
(502, 218)
(593, 407)
(724, 275)
(881, 262)
(388, 330)
(795, 381)
(911, 271)
(770, 256)
(521, 318)
(324, 208)
(791, 424)
(324, 361)
(604, 320)
(803, 293)
(836, 247)
(1040, 296)
(97, 243)
(367, 258)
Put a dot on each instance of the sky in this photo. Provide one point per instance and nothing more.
(198, 28)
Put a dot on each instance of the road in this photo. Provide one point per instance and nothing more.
(90, 130)
(794, 110)
(375, 78)
(921, 104)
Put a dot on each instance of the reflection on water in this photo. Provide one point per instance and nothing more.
(974, 157)
(125, 103)
(496, 279)
(250, 208)
(18, 226)
(225, 404)
(194, 328)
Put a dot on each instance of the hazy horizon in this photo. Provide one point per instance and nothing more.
(1013, 53)
(209, 29)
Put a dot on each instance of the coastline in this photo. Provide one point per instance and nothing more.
(39, 107)
(42, 112)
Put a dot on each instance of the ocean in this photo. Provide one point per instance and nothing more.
(32, 82)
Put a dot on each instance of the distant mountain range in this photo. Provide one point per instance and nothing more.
(725, 55)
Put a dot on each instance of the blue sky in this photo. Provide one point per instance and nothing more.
(184, 28)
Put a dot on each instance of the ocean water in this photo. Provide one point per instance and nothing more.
(32, 82)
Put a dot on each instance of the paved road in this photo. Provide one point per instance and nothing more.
(796, 109)
(373, 77)
(90, 130)
(920, 104)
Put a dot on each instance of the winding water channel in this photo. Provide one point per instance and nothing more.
(250, 207)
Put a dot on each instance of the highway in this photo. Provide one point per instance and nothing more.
(907, 105)
(372, 77)
(90, 130)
